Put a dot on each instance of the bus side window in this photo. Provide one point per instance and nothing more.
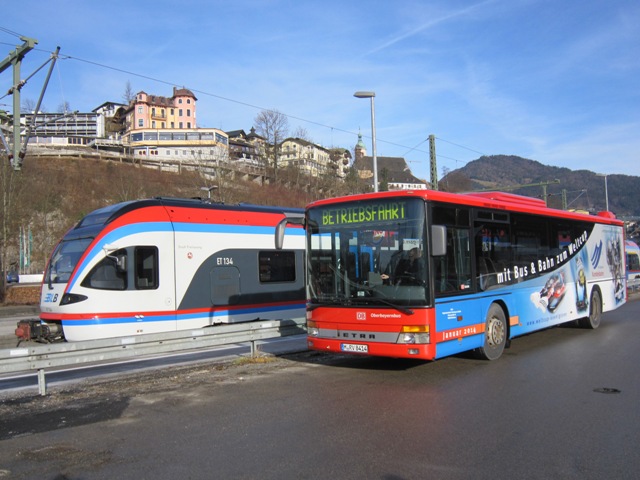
(493, 253)
(453, 271)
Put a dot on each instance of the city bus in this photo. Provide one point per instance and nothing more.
(428, 274)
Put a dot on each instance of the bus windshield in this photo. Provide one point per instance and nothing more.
(64, 260)
(368, 253)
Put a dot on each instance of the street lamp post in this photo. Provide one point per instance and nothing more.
(606, 190)
(371, 95)
(208, 190)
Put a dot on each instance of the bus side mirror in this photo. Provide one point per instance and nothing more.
(289, 218)
(438, 240)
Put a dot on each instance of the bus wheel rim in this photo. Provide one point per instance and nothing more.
(496, 332)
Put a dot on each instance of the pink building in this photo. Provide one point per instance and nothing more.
(156, 112)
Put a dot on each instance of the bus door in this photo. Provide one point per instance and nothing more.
(459, 321)
(492, 248)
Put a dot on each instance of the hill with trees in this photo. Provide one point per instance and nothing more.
(584, 190)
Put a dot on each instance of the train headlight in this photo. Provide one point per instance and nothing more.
(69, 298)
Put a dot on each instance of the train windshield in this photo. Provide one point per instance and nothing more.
(368, 253)
(64, 260)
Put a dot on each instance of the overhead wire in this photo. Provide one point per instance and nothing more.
(439, 155)
(10, 32)
(461, 146)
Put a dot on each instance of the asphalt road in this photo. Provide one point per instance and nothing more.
(561, 403)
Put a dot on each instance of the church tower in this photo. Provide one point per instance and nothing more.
(360, 150)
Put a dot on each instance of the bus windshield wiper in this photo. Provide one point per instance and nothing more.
(400, 308)
(330, 300)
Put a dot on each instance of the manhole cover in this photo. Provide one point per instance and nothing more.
(606, 390)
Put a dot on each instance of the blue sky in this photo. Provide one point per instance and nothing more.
(557, 81)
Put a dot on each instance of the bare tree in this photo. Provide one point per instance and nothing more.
(29, 105)
(64, 107)
(214, 173)
(128, 94)
(302, 133)
(273, 126)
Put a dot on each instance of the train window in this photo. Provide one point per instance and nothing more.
(109, 274)
(146, 268)
(277, 266)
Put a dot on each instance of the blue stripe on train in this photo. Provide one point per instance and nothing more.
(169, 317)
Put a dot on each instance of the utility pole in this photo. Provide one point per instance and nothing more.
(432, 162)
(15, 59)
(17, 159)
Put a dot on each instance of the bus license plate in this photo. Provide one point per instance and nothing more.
(350, 347)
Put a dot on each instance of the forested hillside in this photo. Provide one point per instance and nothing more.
(584, 189)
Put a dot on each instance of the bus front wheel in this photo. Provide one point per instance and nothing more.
(595, 312)
(495, 334)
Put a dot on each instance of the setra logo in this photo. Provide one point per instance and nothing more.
(361, 316)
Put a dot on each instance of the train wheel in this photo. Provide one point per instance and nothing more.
(495, 334)
(595, 312)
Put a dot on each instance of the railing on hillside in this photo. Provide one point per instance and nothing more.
(209, 168)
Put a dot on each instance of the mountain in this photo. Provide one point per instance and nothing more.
(584, 190)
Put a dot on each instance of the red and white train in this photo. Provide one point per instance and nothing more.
(167, 264)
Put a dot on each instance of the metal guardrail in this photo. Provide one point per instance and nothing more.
(40, 357)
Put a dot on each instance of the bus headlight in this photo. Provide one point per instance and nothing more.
(414, 334)
(312, 329)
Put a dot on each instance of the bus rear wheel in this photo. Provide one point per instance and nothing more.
(595, 312)
(495, 334)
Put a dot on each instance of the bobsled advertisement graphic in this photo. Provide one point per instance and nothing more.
(582, 303)
(579, 269)
(556, 284)
(616, 266)
(550, 296)
(602, 255)
(553, 291)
